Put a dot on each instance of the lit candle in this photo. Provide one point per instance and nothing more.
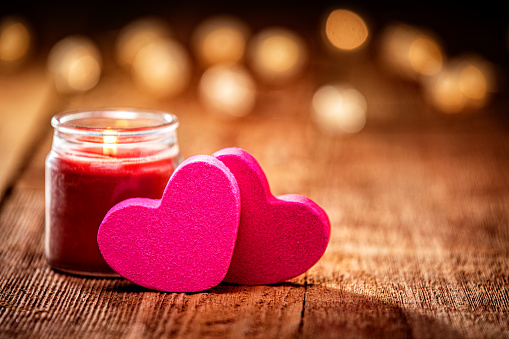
(99, 158)
(109, 142)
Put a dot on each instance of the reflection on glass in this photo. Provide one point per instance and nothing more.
(220, 39)
(228, 89)
(75, 63)
(339, 109)
(277, 55)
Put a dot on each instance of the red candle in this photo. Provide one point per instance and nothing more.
(98, 159)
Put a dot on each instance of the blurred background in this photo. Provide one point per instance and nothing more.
(345, 66)
(457, 55)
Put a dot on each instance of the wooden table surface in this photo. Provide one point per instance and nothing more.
(418, 202)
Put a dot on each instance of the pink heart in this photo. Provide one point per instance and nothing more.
(183, 242)
(279, 238)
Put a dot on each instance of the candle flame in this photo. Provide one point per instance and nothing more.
(109, 144)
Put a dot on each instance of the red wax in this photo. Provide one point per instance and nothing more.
(81, 191)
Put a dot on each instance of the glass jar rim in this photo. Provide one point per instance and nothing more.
(163, 121)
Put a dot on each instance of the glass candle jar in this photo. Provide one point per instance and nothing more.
(99, 158)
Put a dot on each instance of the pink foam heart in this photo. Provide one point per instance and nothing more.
(183, 242)
(280, 237)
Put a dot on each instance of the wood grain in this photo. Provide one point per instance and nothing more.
(24, 100)
(419, 209)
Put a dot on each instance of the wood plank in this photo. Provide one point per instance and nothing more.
(419, 246)
(24, 99)
(432, 236)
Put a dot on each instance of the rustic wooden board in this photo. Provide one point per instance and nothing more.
(419, 246)
(25, 97)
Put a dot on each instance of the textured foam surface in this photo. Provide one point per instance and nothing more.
(280, 237)
(183, 242)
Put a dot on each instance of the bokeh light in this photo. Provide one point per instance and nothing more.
(465, 84)
(345, 30)
(220, 39)
(162, 68)
(15, 41)
(339, 109)
(410, 52)
(476, 78)
(444, 92)
(75, 63)
(425, 56)
(277, 55)
(137, 34)
(228, 90)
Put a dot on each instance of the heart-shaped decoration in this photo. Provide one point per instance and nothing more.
(182, 242)
(280, 237)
